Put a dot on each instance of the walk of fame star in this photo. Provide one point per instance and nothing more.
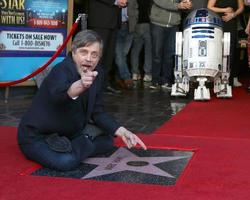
(154, 166)
(124, 160)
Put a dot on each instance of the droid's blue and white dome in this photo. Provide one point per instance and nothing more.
(202, 16)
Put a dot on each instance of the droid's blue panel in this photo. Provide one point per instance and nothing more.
(203, 27)
(201, 13)
(203, 36)
(202, 31)
(201, 17)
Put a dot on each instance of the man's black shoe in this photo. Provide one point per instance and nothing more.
(113, 90)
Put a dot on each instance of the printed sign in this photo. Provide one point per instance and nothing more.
(30, 41)
(32, 27)
(31, 31)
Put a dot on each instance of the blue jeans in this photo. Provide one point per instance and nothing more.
(34, 147)
(163, 46)
(123, 44)
(142, 38)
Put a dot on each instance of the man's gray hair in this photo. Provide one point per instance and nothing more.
(86, 38)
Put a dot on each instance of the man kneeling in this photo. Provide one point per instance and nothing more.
(66, 122)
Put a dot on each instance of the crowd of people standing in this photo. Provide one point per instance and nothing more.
(139, 38)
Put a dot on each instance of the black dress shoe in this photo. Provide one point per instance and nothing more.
(110, 89)
(125, 84)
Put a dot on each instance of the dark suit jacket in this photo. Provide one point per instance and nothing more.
(53, 110)
(104, 14)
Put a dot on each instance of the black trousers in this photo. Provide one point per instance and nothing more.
(34, 147)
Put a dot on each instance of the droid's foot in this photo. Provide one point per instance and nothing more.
(201, 93)
(178, 89)
(225, 92)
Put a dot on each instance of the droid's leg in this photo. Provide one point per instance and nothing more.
(181, 85)
(222, 87)
(217, 84)
(201, 93)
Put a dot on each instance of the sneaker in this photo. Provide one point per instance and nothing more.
(136, 77)
(236, 83)
(167, 86)
(147, 78)
(154, 86)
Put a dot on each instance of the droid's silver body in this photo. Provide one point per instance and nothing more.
(202, 55)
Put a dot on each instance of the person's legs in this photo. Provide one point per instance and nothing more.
(233, 60)
(147, 49)
(157, 34)
(135, 51)
(103, 144)
(35, 147)
(168, 57)
(123, 44)
(248, 49)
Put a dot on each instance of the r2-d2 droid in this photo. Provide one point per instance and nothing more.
(202, 54)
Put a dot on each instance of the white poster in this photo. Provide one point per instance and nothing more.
(30, 41)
